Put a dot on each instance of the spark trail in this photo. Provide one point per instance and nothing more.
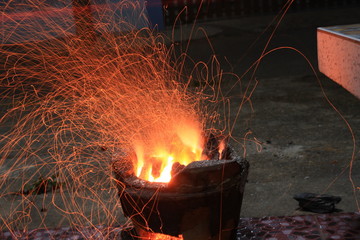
(77, 92)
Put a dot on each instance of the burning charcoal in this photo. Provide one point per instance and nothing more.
(211, 150)
(156, 167)
(225, 150)
(317, 203)
(121, 170)
(193, 177)
(176, 167)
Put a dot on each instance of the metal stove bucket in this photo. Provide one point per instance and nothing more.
(201, 202)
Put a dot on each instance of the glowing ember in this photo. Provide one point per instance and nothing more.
(159, 236)
(164, 237)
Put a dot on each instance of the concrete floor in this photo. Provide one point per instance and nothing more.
(295, 139)
(306, 129)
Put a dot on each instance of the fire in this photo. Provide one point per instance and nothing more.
(159, 236)
(184, 147)
(74, 80)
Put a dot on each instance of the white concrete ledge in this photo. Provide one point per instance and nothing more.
(339, 55)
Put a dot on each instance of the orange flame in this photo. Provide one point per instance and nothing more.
(184, 147)
(158, 236)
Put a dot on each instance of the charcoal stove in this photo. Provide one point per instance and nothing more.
(201, 202)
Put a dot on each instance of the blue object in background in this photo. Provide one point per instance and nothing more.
(155, 13)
